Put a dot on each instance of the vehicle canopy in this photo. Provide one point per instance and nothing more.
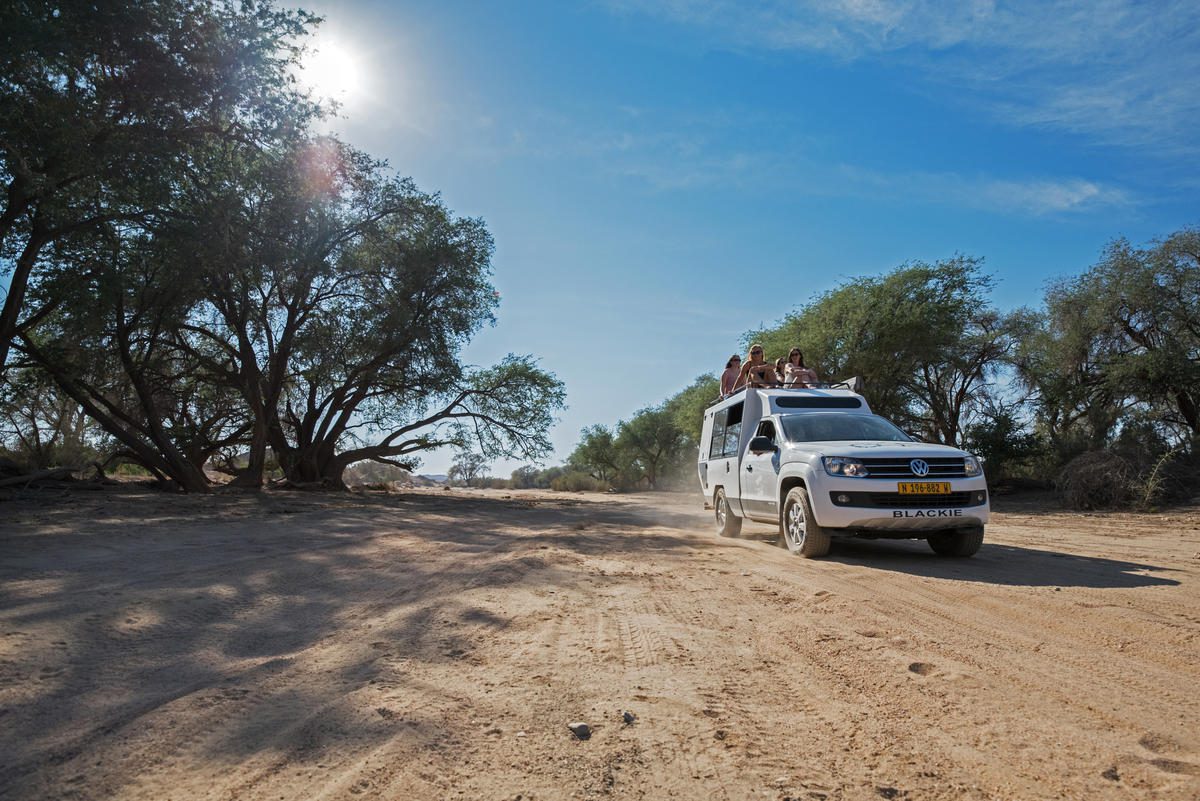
(730, 423)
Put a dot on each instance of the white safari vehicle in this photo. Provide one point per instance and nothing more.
(819, 464)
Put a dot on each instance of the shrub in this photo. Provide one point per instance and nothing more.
(577, 481)
(1099, 480)
(131, 469)
(1005, 445)
(493, 482)
(1174, 478)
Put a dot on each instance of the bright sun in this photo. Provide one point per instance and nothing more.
(332, 72)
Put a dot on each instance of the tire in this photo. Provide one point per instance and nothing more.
(959, 542)
(728, 524)
(799, 531)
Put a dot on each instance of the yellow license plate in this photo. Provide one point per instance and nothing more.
(923, 487)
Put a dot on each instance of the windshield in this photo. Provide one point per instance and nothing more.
(823, 427)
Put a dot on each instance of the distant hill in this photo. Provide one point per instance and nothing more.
(436, 478)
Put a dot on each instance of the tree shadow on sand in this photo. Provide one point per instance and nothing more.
(204, 608)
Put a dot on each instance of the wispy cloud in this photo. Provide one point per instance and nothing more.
(1119, 71)
(689, 161)
(1033, 197)
(670, 153)
(756, 154)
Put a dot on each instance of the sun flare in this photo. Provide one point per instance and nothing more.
(332, 72)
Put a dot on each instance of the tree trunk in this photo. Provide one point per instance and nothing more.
(1187, 407)
(15, 298)
(252, 476)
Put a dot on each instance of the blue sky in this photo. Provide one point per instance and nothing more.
(662, 176)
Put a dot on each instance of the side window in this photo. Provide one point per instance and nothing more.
(766, 429)
(716, 447)
(733, 430)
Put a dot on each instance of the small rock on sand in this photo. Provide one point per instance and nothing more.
(580, 730)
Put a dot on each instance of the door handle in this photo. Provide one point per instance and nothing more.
(749, 468)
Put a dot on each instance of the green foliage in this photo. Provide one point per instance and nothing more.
(597, 455)
(41, 427)
(687, 406)
(1128, 330)
(650, 441)
(654, 447)
(213, 276)
(102, 105)
(923, 338)
(376, 475)
(468, 468)
(1105, 377)
(576, 481)
(1004, 442)
(530, 477)
(131, 469)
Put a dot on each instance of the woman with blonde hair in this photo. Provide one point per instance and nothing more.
(757, 371)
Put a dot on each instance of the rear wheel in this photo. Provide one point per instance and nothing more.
(728, 524)
(799, 531)
(957, 542)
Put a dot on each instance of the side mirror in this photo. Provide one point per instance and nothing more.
(761, 445)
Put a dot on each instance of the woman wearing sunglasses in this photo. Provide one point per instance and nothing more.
(731, 379)
(757, 371)
(795, 374)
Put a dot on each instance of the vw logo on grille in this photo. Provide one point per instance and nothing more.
(920, 467)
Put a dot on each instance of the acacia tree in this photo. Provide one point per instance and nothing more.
(651, 441)
(1143, 306)
(923, 338)
(266, 233)
(468, 466)
(42, 426)
(112, 346)
(597, 454)
(102, 102)
(281, 290)
(957, 389)
(1059, 363)
(340, 298)
(1118, 347)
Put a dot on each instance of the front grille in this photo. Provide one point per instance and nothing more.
(894, 467)
(894, 500)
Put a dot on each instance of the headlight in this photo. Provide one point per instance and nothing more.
(841, 466)
(971, 467)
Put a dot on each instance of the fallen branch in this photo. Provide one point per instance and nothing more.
(54, 473)
(287, 483)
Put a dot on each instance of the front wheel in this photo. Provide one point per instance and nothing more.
(728, 524)
(799, 531)
(959, 542)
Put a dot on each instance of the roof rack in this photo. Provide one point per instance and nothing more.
(854, 384)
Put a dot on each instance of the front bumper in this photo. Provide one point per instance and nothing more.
(874, 504)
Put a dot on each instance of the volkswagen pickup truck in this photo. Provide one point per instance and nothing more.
(820, 465)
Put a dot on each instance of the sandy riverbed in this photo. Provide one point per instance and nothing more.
(436, 645)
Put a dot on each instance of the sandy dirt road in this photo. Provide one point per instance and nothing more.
(436, 645)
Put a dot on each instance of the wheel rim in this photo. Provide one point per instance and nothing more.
(795, 525)
(721, 512)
